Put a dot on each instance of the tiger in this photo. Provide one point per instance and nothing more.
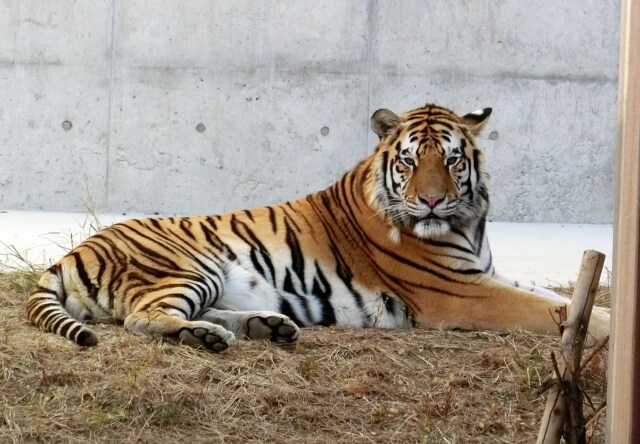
(398, 241)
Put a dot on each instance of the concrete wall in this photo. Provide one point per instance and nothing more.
(203, 106)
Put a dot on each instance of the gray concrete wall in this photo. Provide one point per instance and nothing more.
(203, 106)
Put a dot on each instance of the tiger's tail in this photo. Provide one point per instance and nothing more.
(45, 309)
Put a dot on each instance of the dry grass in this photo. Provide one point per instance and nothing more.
(338, 386)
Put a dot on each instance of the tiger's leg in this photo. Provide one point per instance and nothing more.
(254, 324)
(533, 288)
(596, 313)
(490, 304)
(166, 322)
(168, 307)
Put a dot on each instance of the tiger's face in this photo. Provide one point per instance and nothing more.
(429, 174)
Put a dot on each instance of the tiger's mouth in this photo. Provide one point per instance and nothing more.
(431, 219)
(431, 226)
(432, 216)
(428, 226)
(424, 225)
(409, 220)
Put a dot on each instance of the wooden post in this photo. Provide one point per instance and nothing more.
(564, 402)
(623, 397)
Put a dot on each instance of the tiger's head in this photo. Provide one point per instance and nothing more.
(428, 172)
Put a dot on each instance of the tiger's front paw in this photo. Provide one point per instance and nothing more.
(274, 326)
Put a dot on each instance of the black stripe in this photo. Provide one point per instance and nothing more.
(56, 324)
(389, 303)
(288, 287)
(102, 265)
(82, 272)
(476, 164)
(442, 123)
(322, 291)
(40, 306)
(156, 223)
(73, 334)
(253, 255)
(167, 238)
(185, 226)
(156, 256)
(346, 276)
(211, 222)
(272, 219)
(479, 235)
(393, 281)
(65, 329)
(415, 125)
(297, 257)
(162, 302)
(191, 285)
(464, 236)
(251, 239)
(287, 310)
(41, 289)
(286, 208)
(49, 318)
(214, 240)
(153, 271)
(457, 247)
(385, 167)
(55, 270)
(490, 264)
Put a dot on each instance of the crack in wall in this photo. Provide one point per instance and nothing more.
(110, 104)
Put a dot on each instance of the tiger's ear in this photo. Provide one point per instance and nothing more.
(384, 122)
(476, 120)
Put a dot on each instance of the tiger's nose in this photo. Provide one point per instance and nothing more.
(431, 201)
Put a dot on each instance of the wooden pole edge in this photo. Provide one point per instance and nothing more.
(568, 366)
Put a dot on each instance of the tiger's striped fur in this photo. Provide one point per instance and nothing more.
(398, 239)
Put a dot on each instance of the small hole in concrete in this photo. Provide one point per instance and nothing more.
(66, 125)
(493, 135)
(324, 131)
(200, 127)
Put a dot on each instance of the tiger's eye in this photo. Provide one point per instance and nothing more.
(408, 161)
(451, 161)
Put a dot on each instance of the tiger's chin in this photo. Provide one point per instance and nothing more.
(431, 227)
(427, 228)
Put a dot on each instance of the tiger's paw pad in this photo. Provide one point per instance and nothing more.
(277, 327)
(213, 337)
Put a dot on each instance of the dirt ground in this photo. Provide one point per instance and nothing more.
(334, 385)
